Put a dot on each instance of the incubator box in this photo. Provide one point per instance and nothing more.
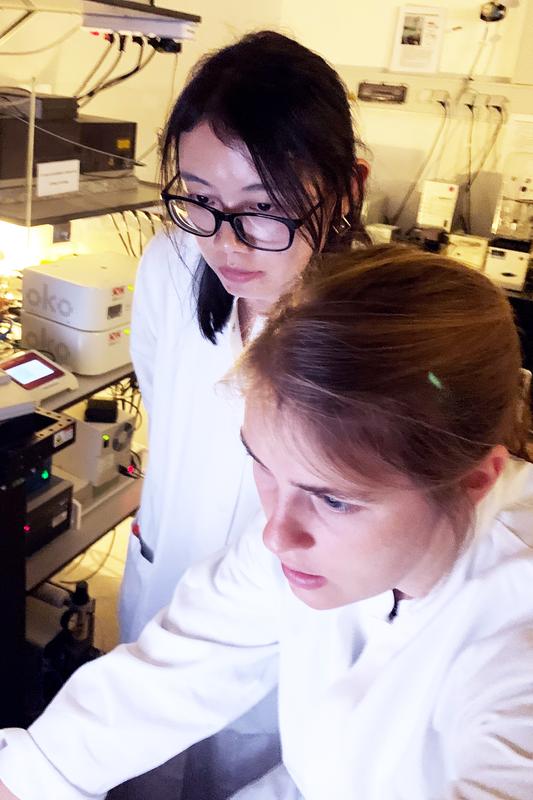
(88, 292)
(83, 352)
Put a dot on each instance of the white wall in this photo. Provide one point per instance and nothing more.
(360, 34)
(350, 33)
(146, 97)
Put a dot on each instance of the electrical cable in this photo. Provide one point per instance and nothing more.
(6, 326)
(470, 75)
(135, 461)
(138, 67)
(172, 84)
(395, 218)
(120, 236)
(148, 216)
(131, 161)
(57, 42)
(103, 82)
(127, 228)
(73, 564)
(139, 225)
(110, 40)
(100, 566)
(6, 103)
(113, 82)
(128, 395)
(492, 144)
(121, 49)
(466, 217)
(14, 26)
(168, 108)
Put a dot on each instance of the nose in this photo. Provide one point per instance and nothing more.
(227, 239)
(284, 533)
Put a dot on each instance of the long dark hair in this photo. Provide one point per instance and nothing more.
(291, 110)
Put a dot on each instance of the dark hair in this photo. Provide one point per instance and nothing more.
(291, 109)
(394, 361)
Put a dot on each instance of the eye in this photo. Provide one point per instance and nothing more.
(264, 208)
(201, 198)
(338, 506)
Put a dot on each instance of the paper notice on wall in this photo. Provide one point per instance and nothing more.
(58, 177)
(418, 39)
(519, 134)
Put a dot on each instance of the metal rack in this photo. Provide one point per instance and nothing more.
(19, 574)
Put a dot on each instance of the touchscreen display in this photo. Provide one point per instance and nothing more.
(29, 371)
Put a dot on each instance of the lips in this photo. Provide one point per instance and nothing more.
(303, 580)
(239, 275)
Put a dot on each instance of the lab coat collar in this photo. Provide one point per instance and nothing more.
(508, 505)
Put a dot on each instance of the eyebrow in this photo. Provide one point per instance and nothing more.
(189, 176)
(318, 491)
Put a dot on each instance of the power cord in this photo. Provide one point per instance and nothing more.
(134, 469)
(110, 39)
(492, 143)
(140, 65)
(120, 236)
(98, 569)
(440, 130)
(466, 217)
(129, 162)
(122, 39)
(53, 44)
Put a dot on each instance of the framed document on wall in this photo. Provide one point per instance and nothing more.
(418, 39)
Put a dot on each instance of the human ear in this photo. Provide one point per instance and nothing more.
(358, 182)
(363, 170)
(479, 480)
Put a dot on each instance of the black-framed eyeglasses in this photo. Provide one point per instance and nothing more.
(260, 231)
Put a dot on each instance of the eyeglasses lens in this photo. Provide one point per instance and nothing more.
(257, 231)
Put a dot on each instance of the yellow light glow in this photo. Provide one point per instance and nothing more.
(22, 247)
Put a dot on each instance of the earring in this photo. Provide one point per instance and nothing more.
(342, 227)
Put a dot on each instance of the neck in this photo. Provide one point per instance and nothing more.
(248, 311)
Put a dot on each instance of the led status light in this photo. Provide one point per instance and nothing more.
(105, 437)
(45, 474)
(26, 529)
(131, 469)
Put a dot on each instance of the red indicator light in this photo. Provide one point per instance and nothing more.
(131, 469)
(26, 529)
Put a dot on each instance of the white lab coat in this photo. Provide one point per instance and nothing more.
(437, 705)
(198, 493)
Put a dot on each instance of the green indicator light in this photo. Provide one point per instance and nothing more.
(105, 437)
(45, 474)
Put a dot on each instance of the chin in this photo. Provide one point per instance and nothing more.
(317, 600)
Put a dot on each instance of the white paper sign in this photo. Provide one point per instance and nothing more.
(519, 138)
(418, 39)
(58, 177)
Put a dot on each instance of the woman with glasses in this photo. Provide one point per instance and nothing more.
(260, 170)
(388, 589)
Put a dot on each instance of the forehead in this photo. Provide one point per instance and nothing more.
(203, 154)
(286, 445)
(280, 441)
